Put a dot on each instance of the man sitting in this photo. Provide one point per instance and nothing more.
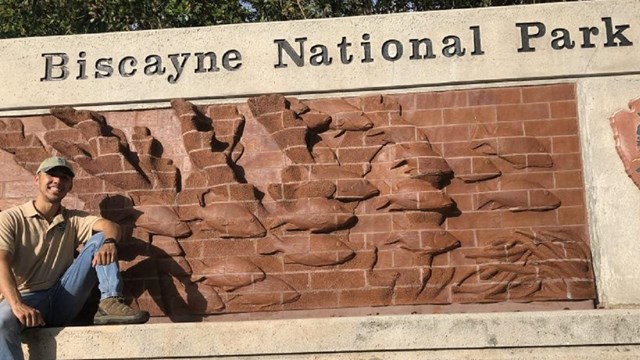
(41, 284)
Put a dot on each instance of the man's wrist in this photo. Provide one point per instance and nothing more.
(14, 301)
(109, 241)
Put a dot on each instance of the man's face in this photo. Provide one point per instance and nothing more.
(54, 184)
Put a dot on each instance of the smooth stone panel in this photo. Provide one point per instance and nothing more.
(490, 50)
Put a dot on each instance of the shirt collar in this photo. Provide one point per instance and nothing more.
(29, 210)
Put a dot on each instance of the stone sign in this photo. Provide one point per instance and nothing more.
(399, 51)
(409, 160)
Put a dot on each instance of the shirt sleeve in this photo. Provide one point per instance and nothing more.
(7, 232)
(83, 223)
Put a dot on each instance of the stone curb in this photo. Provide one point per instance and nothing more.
(339, 335)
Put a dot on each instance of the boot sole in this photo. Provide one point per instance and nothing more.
(119, 320)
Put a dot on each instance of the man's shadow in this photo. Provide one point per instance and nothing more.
(154, 272)
(159, 275)
(41, 343)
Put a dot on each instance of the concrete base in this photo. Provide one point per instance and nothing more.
(581, 334)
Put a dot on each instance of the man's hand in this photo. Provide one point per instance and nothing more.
(27, 315)
(105, 255)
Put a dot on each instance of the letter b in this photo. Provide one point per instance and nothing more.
(50, 66)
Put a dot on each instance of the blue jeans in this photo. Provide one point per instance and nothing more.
(63, 301)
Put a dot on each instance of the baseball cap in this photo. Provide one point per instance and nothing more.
(54, 162)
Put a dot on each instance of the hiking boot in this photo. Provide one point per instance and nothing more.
(113, 311)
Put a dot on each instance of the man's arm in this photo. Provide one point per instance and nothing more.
(27, 315)
(107, 253)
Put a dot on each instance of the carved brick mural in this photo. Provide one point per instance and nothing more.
(282, 203)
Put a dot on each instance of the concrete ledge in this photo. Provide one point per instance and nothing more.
(587, 334)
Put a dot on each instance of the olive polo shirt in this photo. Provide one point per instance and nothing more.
(42, 251)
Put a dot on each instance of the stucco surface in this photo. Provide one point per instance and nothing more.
(613, 200)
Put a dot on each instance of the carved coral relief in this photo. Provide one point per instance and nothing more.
(362, 207)
(626, 131)
(528, 265)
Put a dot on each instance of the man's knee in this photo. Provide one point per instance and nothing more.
(10, 329)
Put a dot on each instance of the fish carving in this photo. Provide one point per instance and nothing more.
(355, 189)
(481, 169)
(430, 243)
(151, 215)
(318, 215)
(350, 122)
(316, 121)
(344, 116)
(270, 291)
(302, 190)
(231, 219)
(520, 151)
(161, 220)
(229, 273)
(518, 195)
(414, 194)
(322, 250)
(421, 162)
(349, 186)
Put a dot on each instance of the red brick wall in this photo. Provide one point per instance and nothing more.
(548, 113)
(515, 231)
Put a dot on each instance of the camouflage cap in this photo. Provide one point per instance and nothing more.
(54, 162)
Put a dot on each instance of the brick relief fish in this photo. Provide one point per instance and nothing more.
(517, 196)
(318, 215)
(161, 219)
(314, 250)
(480, 169)
(415, 194)
(270, 291)
(229, 273)
(344, 116)
(420, 161)
(518, 150)
(231, 219)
